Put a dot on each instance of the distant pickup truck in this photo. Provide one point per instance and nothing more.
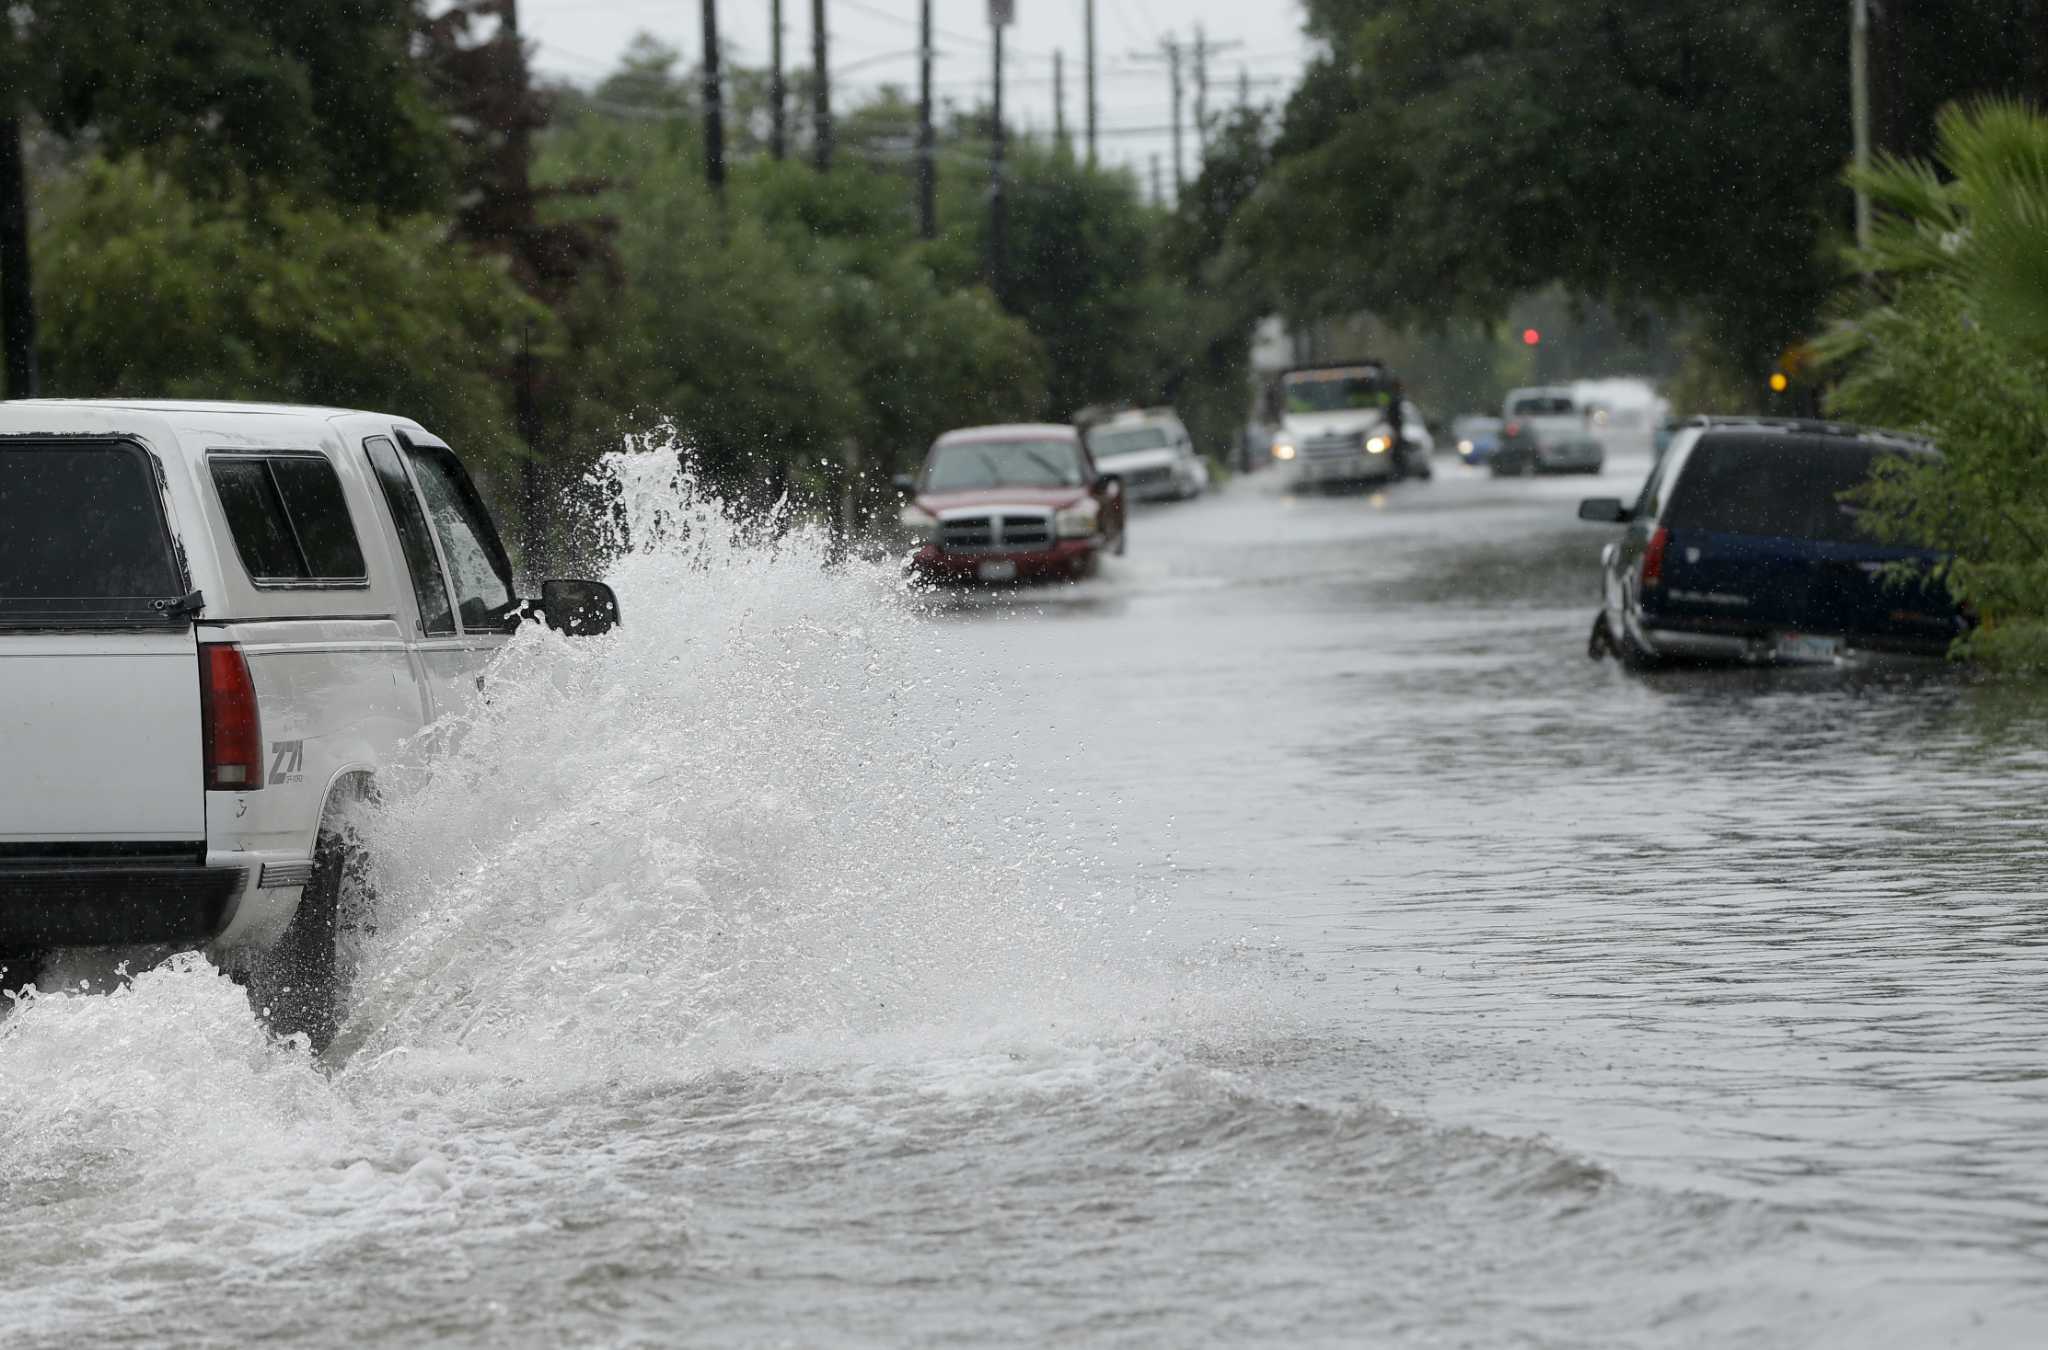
(218, 624)
(1547, 430)
(1010, 503)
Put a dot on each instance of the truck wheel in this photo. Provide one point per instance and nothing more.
(301, 984)
(1600, 643)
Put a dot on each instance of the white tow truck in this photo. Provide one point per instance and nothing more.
(218, 623)
(1340, 424)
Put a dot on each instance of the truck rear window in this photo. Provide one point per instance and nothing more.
(1787, 487)
(84, 534)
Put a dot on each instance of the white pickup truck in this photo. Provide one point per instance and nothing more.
(218, 622)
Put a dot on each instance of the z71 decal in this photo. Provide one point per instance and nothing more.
(287, 761)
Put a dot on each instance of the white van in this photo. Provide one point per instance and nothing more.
(218, 622)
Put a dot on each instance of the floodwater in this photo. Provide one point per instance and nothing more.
(1287, 937)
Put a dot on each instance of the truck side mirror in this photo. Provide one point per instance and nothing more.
(579, 608)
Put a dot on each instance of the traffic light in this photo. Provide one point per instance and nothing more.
(1779, 382)
(1530, 337)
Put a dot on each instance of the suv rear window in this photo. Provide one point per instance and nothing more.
(85, 534)
(1787, 487)
(289, 519)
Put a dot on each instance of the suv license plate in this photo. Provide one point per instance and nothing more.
(1799, 647)
(997, 571)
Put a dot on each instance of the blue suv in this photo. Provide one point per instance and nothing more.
(1742, 548)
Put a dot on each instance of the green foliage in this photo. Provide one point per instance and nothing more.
(242, 215)
(1950, 340)
(1079, 256)
(149, 292)
(799, 318)
(313, 97)
(1445, 160)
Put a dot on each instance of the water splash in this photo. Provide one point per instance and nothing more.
(735, 827)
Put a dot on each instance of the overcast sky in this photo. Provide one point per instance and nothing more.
(874, 41)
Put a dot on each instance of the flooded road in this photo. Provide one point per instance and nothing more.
(1289, 936)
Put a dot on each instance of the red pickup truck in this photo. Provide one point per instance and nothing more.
(1011, 503)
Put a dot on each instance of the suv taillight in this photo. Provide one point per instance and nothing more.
(230, 725)
(1653, 558)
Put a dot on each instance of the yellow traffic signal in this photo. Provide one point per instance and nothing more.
(1778, 382)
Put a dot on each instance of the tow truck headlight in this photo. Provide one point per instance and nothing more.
(1464, 447)
(1283, 449)
(1079, 520)
(1377, 445)
(921, 525)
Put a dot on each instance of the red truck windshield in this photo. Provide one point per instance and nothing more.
(966, 465)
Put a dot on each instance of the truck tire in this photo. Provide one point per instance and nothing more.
(301, 984)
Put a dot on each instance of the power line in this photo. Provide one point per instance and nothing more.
(888, 16)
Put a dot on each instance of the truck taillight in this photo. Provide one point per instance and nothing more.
(230, 725)
(1653, 558)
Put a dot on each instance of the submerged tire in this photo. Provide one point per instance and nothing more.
(1636, 657)
(301, 984)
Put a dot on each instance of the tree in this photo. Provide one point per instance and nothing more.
(152, 292)
(809, 319)
(320, 98)
(482, 78)
(1081, 254)
(1445, 161)
(1952, 343)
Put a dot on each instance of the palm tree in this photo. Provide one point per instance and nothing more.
(1947, 336)
(1976, 219)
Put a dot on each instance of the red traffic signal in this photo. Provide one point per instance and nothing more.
(1530, 337)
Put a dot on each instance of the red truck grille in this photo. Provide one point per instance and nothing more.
(1008, 531)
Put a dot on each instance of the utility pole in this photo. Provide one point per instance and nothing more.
(1059, 101)
(714, 105)
(998, 206)
(1204, 49)
(1859, 107)
(927, 143)
(1089, 16)
(1244, 88)
(1157, 198)
(778, 93)
(1170, 46)
(821, 97)
(1173, 64)
(17, 294)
